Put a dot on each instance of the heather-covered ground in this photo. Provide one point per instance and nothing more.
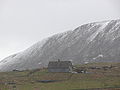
(98, 76)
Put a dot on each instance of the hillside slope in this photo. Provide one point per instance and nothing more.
(93, 42)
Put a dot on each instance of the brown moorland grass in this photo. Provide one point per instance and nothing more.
(96, 79)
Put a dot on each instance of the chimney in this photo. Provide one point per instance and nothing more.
(58, 60)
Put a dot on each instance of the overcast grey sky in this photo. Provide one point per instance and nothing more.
(25, 22)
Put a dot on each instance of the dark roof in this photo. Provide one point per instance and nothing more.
(59, 64)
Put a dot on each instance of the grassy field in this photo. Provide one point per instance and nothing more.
(105, 79)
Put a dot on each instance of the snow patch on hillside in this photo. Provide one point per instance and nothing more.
(100, 30)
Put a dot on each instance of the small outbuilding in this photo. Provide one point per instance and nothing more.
(60, 66)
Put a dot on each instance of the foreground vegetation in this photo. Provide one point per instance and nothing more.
(105, 76)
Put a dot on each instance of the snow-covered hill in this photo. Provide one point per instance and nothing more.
(93, 42)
